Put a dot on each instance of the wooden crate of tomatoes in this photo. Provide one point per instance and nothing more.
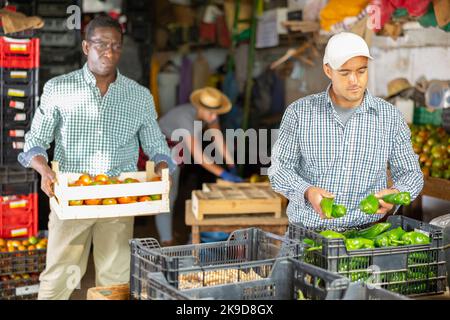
(82, 196)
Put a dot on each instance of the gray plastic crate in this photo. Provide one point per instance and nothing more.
(361, 291)
(409, 270)
(280, 279)
(242, 246)
(447, 251)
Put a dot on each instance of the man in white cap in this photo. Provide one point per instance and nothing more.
(339, 144)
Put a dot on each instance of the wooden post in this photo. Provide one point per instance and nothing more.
(195, 234)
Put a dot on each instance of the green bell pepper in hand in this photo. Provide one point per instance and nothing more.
(359, 243)
(390, 238)
(400, 198)
(331, 210)
(369, 204)
(327, 206)
(373, 231)
(338, 211)
(414, 237)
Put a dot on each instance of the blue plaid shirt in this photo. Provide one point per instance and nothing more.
(314, 148)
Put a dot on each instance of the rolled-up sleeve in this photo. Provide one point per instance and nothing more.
(404, 162)
(152, 140)
(285, 160)
(42, 132)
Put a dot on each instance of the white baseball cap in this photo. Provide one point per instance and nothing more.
(343, 46)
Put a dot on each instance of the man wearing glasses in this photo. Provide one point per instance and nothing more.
(98, 118)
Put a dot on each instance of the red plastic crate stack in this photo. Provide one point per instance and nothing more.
(19, 65)
(18, 215)
(19, 53)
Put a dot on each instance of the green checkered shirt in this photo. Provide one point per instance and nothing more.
(95, 134)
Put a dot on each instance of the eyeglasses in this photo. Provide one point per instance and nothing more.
(103, 46)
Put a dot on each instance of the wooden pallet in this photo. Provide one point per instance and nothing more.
(235, 199)
(221, 185)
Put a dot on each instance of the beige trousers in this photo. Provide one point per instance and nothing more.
(69, 244)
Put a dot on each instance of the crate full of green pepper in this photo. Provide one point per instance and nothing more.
(402, 255)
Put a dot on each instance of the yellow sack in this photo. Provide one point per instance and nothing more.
(337, 10)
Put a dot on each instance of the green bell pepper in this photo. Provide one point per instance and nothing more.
(332, 210)
(418, 257)
(415, 238)
(352, 233)
(358, 243)
(338, 211)
(354, 263)
(373, 231)
(311, 245)
(400, 198)
(329, 234)
(369, 204)
(390, 238)
(358, 276)
(327, 206)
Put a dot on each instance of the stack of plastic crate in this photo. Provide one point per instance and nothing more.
(19, 72)
(60, 38)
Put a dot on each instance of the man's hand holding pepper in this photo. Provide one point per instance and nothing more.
(315, 195)
(384, 206)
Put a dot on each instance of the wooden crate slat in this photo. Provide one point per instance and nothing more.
(64, 193)
(234, 203)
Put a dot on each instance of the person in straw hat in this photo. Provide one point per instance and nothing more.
(186, 123)
(339, 143)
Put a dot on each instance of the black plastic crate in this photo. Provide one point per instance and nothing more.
(20, 262)
(48, 72)
(242, 246)
(19, 90)
(18, 76)
(14, 120)
(18, 188)
(60, 56)
(20, 288)
(19, 104)
(408, 270)
(55, 24)
(53, 8)
(25, 34)
(26, 7)
(16, 174)
(67, 39)
(10, 150)
(288, 279)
